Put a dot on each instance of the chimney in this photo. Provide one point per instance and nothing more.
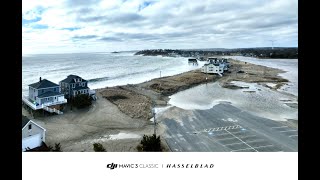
(40, 79)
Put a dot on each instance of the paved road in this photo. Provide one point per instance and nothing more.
(227, 128)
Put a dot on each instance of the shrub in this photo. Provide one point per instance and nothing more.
(45, 148)
(57, 147)
(150, 143)
(97, 147)
(81, 101)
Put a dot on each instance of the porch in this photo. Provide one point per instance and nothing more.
(35, 106)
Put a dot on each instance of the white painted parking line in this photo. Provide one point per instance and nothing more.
(242, 149)
(279, 127)
(264, 146)
(256, 140)
(242, 141)
(248, 136)
(293, 135)
(288, 131)
(233, 144)
(218, 129)
(226, 139)
(222, 134)
(240, 132)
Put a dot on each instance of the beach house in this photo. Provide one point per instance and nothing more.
(192, 61)
(213, 66)
(74, 85)
(33, 135)
(46, 95)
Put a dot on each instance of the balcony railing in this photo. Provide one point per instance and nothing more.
(41, 106)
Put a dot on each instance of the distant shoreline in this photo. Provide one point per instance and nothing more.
(271, 53)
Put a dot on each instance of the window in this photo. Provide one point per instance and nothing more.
(30, 127)
(73, 85)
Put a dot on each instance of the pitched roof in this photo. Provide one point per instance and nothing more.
(43, 84)
(70, 79)
(25, 120)
(49, 93)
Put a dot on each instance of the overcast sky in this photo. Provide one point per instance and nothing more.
(63, 26)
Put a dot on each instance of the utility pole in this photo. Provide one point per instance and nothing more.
(160, 74)
(272, 42)
(154, 120)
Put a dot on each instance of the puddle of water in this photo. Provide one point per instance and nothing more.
(288, 65)
(264, 102)
(124, 136)
(159, 111)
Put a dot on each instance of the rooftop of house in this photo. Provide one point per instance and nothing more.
(49, 93)
(25, 120)
(71, 79)
(43, 83)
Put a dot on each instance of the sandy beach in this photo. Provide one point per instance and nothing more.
(121, 115)
(139, 97)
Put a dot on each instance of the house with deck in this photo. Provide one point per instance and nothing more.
(226, 64)
(193, 61)
(33, 135)
(46, 95)
(213, 66)
(74, 85)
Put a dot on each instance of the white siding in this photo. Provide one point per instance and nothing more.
(31, 142)
(32, 137)
(212, 69)
(34, 130)
(61, 98)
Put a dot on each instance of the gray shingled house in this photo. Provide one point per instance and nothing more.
(44, 94)
(74, 85)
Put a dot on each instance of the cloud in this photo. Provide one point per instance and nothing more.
(140, 24)
(39, 26)
(85, 37)
(77, 3)
(71, 28)
(110, 39)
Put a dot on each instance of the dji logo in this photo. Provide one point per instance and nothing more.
(112, 166)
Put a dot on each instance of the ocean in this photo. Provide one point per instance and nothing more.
(100, 69)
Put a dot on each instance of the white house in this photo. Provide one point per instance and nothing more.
(32, 134)
(213, 66)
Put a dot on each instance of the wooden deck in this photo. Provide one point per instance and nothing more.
(43, 106)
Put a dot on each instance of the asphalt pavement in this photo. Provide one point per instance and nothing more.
(225, 128)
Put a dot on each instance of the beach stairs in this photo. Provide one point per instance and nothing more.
(51, 110)
(219, 74)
